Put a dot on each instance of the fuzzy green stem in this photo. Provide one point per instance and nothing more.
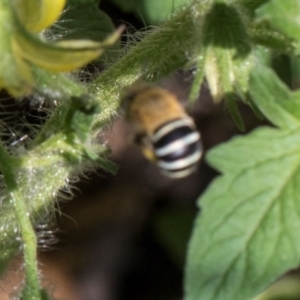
(32, 286)
(264, 35)
(64, 87)
(161, 52)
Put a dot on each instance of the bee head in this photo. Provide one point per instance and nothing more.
(129, 93)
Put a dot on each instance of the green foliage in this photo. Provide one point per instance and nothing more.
(280, 105)
(83, 20)
(230, 100)
(150, 11)
(223, 52)
(283, 15)
(145, 60)
(246, 235)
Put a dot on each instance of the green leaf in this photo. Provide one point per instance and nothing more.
(79, 118)
(247, 233)
(231, 101)
(83, 20)
(251, 5)
(157, 10)
(274, 99)
(283, 15)
(151, 11)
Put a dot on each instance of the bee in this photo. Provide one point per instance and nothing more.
(163, 130)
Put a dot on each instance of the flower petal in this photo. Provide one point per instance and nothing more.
(37, 15)
(60, 56)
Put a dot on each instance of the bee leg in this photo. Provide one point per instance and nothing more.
(149, 154)
(145, 144)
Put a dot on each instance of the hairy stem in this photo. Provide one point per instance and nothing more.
(22, 216)
(164, 50)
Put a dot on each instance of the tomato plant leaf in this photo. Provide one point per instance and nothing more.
(274, 99)
(247, 234)
(283, 15)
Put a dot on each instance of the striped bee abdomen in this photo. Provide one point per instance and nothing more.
(163, 130)
(177, 147)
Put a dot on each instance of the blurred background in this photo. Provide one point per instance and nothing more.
(125, 236)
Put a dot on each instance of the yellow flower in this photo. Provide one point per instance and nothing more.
(37, 15)
(22, 46)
